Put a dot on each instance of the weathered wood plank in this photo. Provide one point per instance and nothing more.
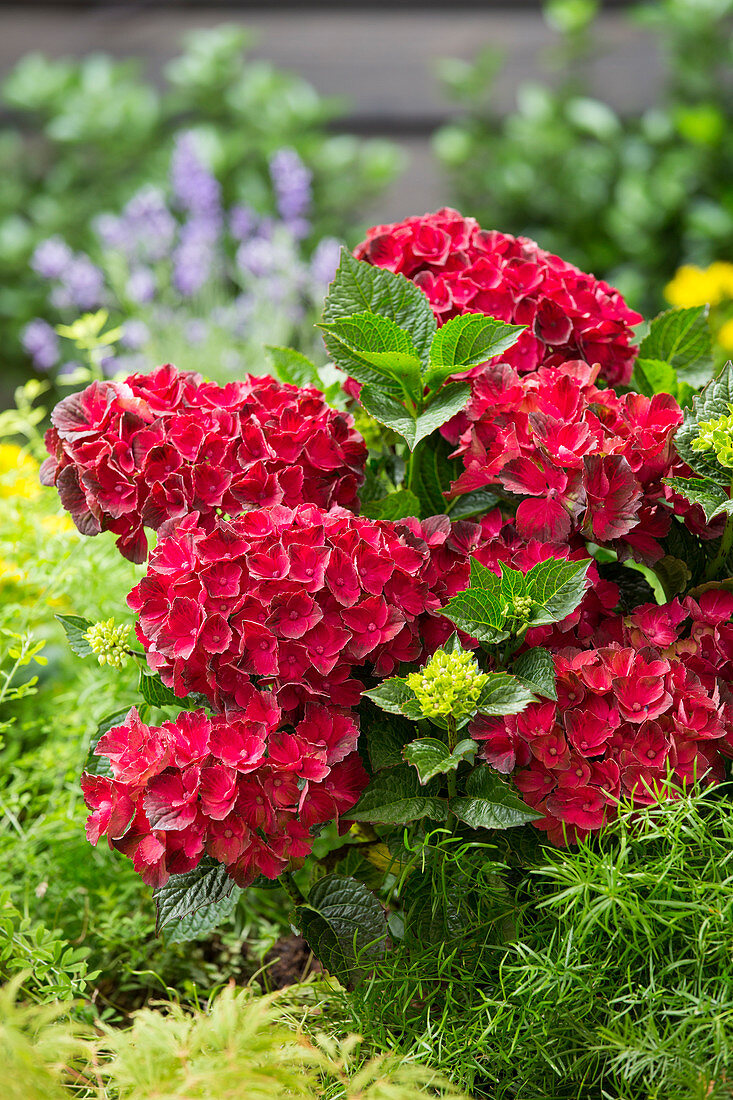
(383, 62)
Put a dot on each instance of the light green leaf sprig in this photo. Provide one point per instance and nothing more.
(109, 642)
(717, 436)
(449, 684)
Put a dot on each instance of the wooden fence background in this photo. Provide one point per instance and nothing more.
(379, 55)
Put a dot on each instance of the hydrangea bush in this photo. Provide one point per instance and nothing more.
(512, 609)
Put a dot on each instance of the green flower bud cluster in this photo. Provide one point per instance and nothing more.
(522, 607)
(109, 642)
(450, 684)
(717, 436)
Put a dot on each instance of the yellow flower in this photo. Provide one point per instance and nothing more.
(725, 336)
(697, 286)
(18, 473)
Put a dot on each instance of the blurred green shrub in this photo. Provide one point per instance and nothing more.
(629, 199)
(87, 133)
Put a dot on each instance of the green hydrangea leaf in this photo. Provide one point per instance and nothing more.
(154, 691)
(360, 287)
(654, 376)
(449, 401)
(75, 627)
(379, 344)
(713, 499)
(479, 611)
(431, 476)
(206, 886)
(292, 367)
(536, 669)
(681, 337)
(503, 694)
(385, 736)
(712, 402)
(395, 797)
(389, 412)
(398, 505)
(395, 697)
(490, 803)
(556, 587)
(432, 757)
(465, 342)
(345, 926)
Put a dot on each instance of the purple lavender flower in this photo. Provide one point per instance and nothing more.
(243, 222)
(141, 286)
(150, 224)
(194, 257)
(196, 190)
(51, 258)
(42, 344)
(325, 261)
(135, 334)
(111, 232)
(84, 283)
(259, 257)
(292, 182)
(110, 364)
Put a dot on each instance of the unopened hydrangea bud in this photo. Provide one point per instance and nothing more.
(522, 607)
(717, 436)
(450, 684)
(109, 642)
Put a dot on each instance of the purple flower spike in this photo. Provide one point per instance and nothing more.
(84, 283)
(196, 190)
(292, 182)
(51, 258)
(41, 343)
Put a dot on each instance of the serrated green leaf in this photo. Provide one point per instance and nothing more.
(536, 669)
(75, 627)
(390, 412)
(556, 587)
(358, 287)
(654, 376)
(448, 402)
(490, 803)
(395, 797)
(207, 885)
(395, 697)
(345, 926)
(381, 345)
(477, 503)
(479, 611)
(465, 342)
(292, 367)
(713, 402)
(154, 691)
(432, 757)
(199, 924)
(503, 694)
(385, 735)
(681, 337)
(713, 499)
(431, 476)
(398, 505)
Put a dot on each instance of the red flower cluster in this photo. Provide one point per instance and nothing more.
(463, 268)
(583, 460)
(236, 787)
(133, 454)
(296, 597)
(649, 705)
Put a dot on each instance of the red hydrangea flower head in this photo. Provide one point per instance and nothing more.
(648, 707)
(463, 268)
(240, 788)
(298, 598)
(129, 455)
(583, 460)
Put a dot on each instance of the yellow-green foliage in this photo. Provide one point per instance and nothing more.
(242, 1047)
